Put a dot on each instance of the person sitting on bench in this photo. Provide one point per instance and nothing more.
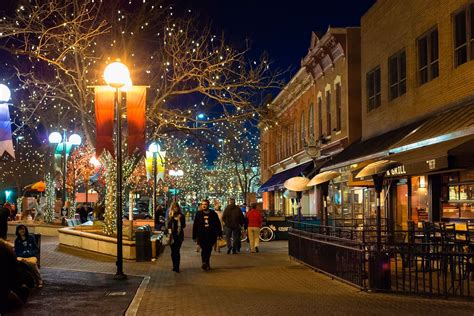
(27, 250)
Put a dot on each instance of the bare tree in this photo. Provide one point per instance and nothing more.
(61, 48)
(239, 156)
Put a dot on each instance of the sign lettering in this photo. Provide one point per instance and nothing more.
(431, 164)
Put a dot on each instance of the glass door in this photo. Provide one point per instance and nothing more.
(401, 214)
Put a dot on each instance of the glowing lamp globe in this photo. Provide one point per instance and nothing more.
(75, 139)
(154, 148)
(201, 116)
(55, 138)
(172, 173)
(4, 93)
(117, 75)
(94, 161)
(179, 173)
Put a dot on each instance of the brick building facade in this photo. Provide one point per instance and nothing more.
(402, 84)
(317, 115)
(417, 110)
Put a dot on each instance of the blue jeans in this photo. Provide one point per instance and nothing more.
(235, 234)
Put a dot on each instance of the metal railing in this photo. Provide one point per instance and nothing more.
(421, 266)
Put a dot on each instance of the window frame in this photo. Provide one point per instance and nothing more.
(295, 136)
(338, 89)
(430, 62)
(311, 133)
(328, 112)
(468, 10)
(320, 116)
(377, 95)
(302, 129)
(400, 81)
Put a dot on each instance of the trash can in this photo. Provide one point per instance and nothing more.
(379, 271)
(142, 245)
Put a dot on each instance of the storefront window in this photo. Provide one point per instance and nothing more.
(458, 196)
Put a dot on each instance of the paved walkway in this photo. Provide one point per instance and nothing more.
(267, 283)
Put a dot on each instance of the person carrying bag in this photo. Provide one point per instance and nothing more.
(176, 225)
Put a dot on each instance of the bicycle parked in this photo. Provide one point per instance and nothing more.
(266, 234)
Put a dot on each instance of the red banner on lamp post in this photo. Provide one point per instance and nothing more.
(104, 115)
(136, 103)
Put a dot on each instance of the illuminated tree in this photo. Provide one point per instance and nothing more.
(238, 157)
(61, 47)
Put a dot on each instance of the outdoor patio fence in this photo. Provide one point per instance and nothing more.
(423, 267)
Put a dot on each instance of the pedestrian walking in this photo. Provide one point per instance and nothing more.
(4, 214)
(176, 225)
(233, 221)
(254, 218)
(159, 217)
(220, 214)
(206, 229)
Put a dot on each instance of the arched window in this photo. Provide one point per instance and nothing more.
(277, 148)
(288, 137)
(295, 137)
(311, 121)
(303, 131)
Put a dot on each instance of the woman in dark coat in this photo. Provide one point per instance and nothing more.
(176, 225)
(27, 250)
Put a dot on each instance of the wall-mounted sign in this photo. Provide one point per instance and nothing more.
(400, 170)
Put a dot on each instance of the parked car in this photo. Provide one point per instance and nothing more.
(138, 214)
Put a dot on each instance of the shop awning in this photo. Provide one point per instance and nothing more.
(372, 148)
(455, 123)
(277, 180)
(452, 154)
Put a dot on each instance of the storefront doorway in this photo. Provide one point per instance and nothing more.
(401, 214)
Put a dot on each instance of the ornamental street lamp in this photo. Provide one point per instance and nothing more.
(200, 116)
(175, 174)
(117, 76)
(154, 148)
(57, 139)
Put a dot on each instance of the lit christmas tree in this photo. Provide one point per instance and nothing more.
(50, 195)
(110, 215)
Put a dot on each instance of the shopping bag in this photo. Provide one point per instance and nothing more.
(221, 243)
(167, 240)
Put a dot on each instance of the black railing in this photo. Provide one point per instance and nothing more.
(340, 257)
(409, 261)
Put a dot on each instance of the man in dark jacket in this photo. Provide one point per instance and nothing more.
(4, 214)
(206, 229)
(233, 220)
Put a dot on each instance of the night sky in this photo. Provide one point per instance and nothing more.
(282, 29)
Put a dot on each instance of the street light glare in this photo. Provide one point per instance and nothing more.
(94, 161)
(179, 173)
(55, 138)
(154, 147)
(75, 139)
(201, 115)
(4, 93)
(117, 75)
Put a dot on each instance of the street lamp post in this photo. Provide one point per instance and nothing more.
(200, 116)
(58, 139)
(117, 76)
(154, 148)
(175, 174)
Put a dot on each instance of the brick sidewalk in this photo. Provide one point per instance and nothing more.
(266, 283)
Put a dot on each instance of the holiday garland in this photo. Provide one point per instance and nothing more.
(110, 202)
(50, 199)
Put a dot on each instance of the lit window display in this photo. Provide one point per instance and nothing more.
(458, 196)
